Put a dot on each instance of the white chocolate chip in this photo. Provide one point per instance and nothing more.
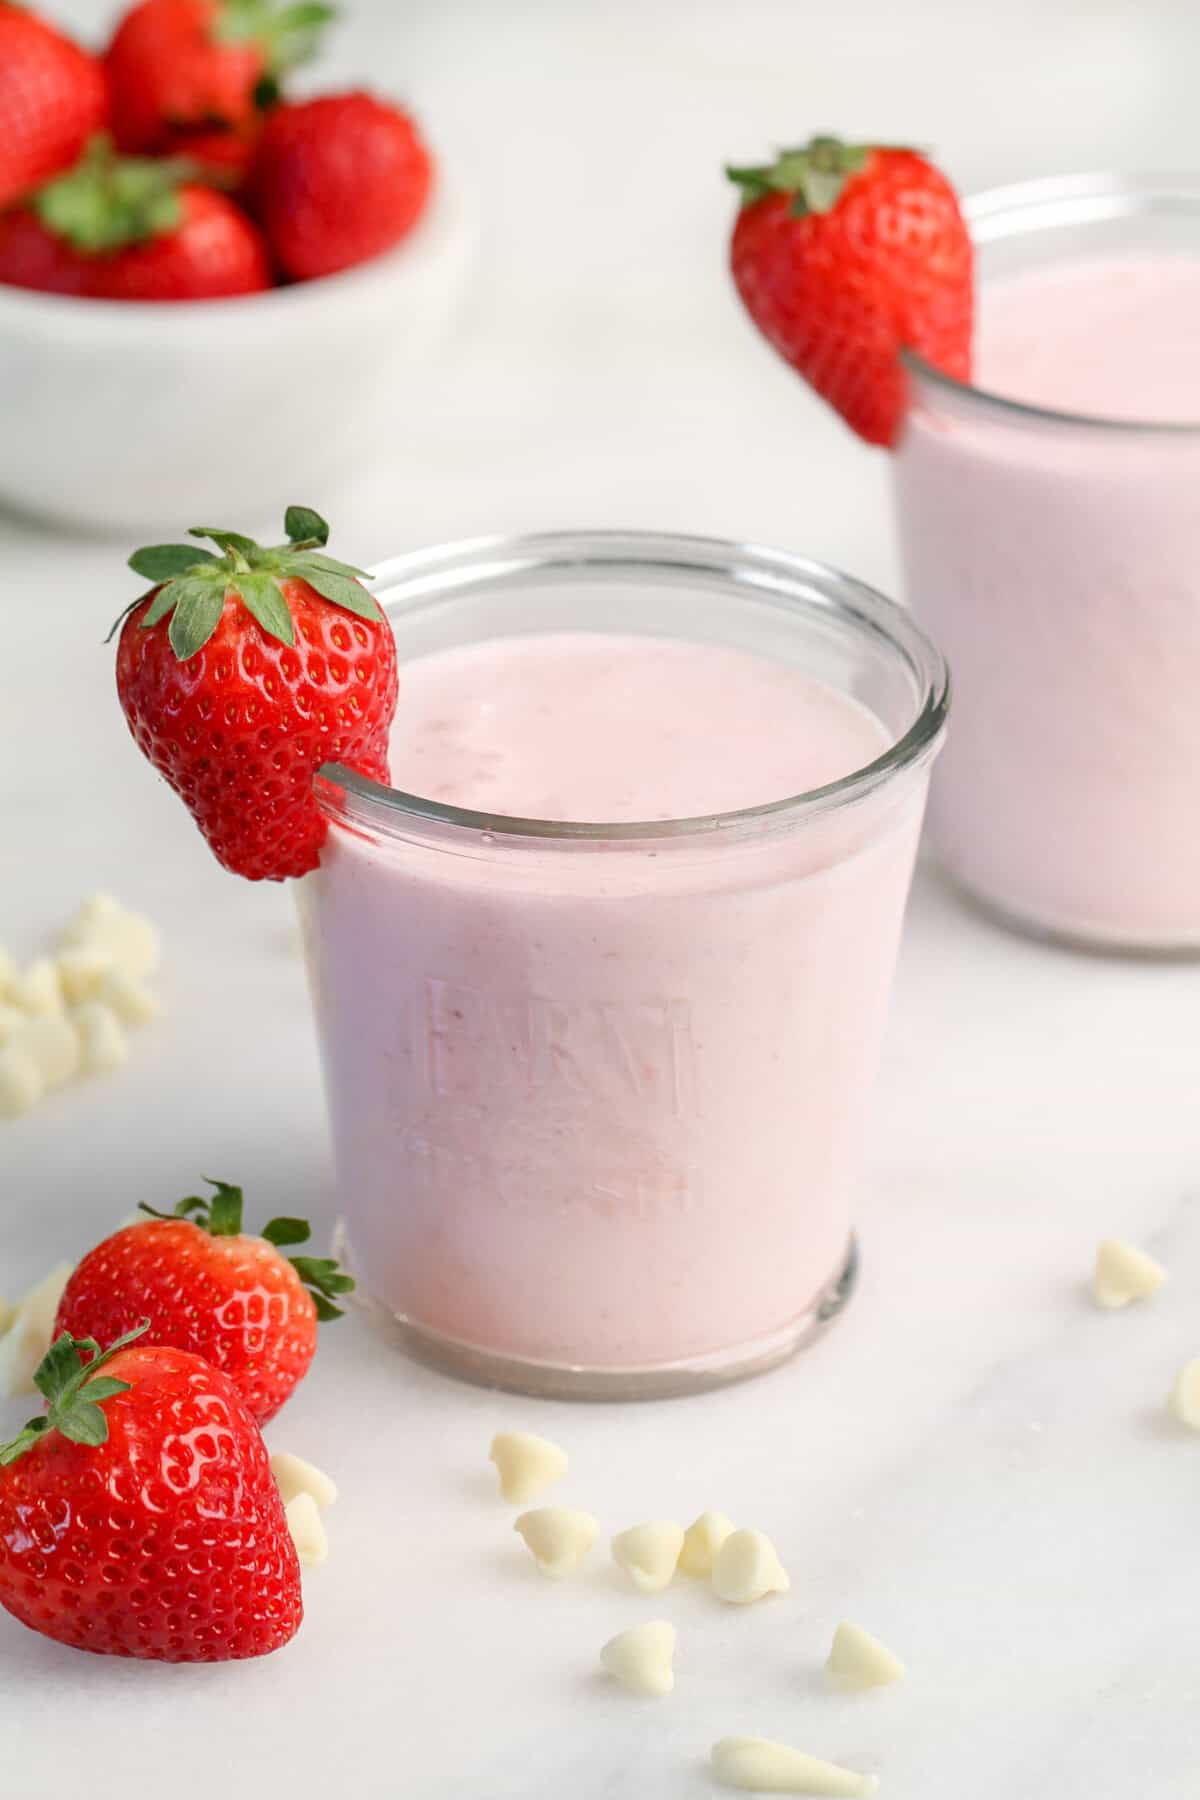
(103, 1045)
(81, 970)
(649, 1554)
(37, 989)
(295, 1476)
(21, 1082)
(861, 1660)
(527, 1464)
(307, 1530)
(11, 1019)
(757, 1766)
(131, 940)
(129, 997)
(1124, 1273)
(701, 1541)
(28, 1336)
(50, 1041)
(640, 1658)
(747, 1567)
(558, 1538)
(98, 909)
(1183, 1403)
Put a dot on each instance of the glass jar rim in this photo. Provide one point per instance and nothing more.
(1023, 208)
(474, 564)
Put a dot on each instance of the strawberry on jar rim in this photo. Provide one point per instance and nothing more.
(176, 66)
(846, 254)
(243, 672)
(138, 1514)
(338, 180)
(53, 97)
(206, 1286)
(128, 228)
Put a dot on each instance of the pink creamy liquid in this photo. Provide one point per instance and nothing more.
(1059, 569)
(601, 1104)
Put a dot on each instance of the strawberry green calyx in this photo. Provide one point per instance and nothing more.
(74, 1390)
(220, 1215)
(287, 36)
(195, 583)
(814, 175)
(107, 202)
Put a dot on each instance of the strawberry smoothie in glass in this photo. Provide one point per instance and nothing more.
(1050, 524)
(601, 980)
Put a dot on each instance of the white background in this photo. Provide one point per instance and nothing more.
(975, 1464)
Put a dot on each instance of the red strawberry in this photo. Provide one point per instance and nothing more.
(197, 64)
(208, 1289)
(53, 96)
(338, 180)
(139, 1516)
(846, 254)
(116, 228)
(31, 256)
(274, 662)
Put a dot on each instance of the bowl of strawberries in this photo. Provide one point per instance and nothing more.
(209, 290)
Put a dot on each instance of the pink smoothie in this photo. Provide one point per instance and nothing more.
(601, 1104)
(1058, 565)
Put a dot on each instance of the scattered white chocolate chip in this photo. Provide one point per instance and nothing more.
(21, 1082)
(103, 1045)
(11, 1019)
(37, 989)
(640, 1658)
(1183, 1402)
(757, 1766)
(861, 1660)
(747, 1567)
(295, 1476)
(307, 1530)
(28, 1336)
(701, 1541)
(649, 1554)
(129, 997)
(81, 970)
(1124, 1273)
(50, 1041)
(527, 1464)
(103, 923)
(558, 1538)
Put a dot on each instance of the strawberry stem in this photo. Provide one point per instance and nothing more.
(221, 1216)
(75, 1391)
(815, 175)
(194, 584)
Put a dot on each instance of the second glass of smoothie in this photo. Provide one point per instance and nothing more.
(601, 981)
(1050, 528)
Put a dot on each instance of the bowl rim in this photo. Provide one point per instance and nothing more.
(433, 237)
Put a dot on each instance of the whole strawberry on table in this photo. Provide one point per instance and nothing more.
(845, 255)
(203, 1285)
(250, 188)
(138, 1513)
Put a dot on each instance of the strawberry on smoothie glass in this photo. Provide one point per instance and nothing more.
(1050, 524)
(600, 980)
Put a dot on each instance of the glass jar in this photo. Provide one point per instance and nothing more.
(1056, 559)
(598, 1090)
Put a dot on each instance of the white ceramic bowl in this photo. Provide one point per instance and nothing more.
(135, 417)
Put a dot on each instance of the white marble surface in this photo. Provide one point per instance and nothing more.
(976, 1464)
